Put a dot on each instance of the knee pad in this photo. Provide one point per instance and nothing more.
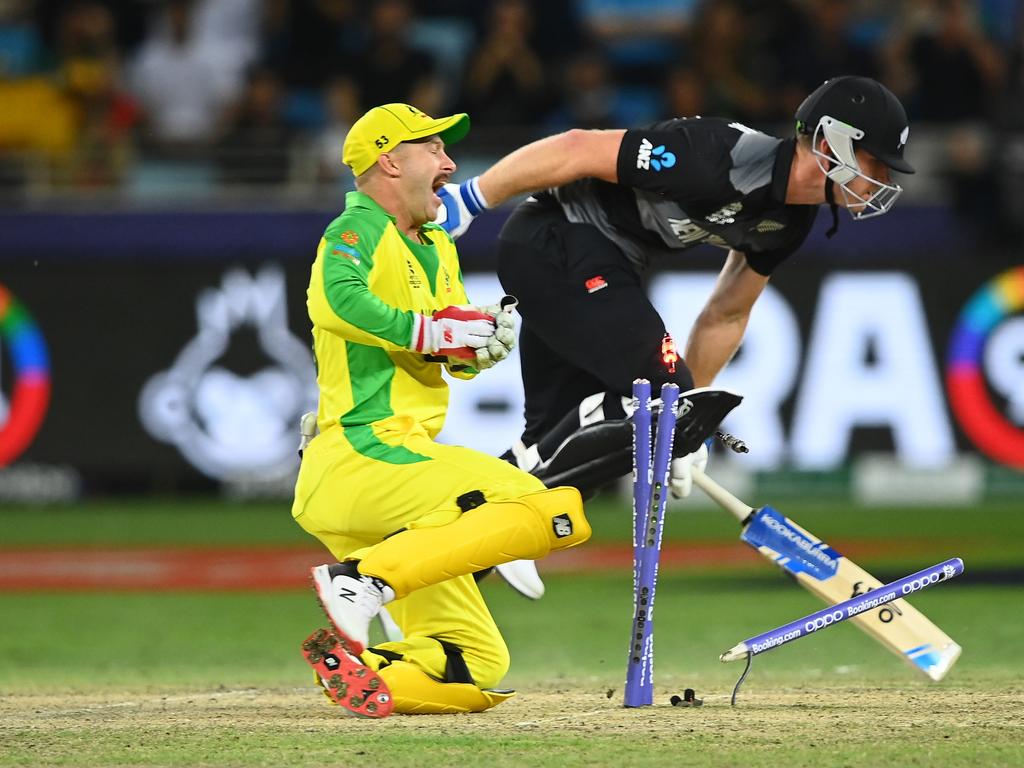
(593, 456)
(527, 528)
(416, 693)
(601, 451)
(558, 512)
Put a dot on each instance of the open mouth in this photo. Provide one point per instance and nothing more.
(436, 187)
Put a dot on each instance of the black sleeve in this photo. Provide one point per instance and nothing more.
(677, 159)
(765, 262)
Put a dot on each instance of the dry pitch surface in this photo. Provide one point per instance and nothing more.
(564, 727)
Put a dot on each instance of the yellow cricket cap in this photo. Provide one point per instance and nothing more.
(383, 128)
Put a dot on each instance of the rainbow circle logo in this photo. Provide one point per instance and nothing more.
(30, 393)
(970, 400)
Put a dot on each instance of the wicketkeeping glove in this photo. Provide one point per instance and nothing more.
(460, 204)
(503, 341)
(452, 331)
(681, 476)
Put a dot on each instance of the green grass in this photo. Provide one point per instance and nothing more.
(576, 632)
(161, 660)
(993, 532)
(168, 644)
(127, 522)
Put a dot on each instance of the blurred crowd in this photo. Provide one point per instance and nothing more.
(142, 93)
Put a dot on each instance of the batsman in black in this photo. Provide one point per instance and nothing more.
(609, 204)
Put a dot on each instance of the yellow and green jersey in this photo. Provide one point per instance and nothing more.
(367, 283)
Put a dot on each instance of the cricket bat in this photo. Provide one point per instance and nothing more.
(897, 625)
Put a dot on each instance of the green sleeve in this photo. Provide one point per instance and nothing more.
(346, 270)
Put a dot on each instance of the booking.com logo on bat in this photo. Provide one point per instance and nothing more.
(985, 368)
(24, 376)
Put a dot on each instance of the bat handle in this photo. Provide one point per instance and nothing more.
(720, 496)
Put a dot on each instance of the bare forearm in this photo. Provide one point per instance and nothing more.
(712, 343)
(551, 162)
(721, 324)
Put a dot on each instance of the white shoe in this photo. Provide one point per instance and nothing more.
(522, 576)
(350, 601)
(392, 631)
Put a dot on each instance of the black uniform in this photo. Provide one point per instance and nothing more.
(574, 256)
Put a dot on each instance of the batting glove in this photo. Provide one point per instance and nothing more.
(460, 204)
(681, 477)
(452, 331)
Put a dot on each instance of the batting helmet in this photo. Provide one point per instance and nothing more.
(867, 106)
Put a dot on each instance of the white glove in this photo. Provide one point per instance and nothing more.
(460, 204)
(453, 331)
(500, 344)
(503, 341)
(681, 477)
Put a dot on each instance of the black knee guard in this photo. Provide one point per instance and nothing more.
(600, 452)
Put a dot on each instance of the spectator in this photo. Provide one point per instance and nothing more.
(20, 44)
(255, 147)
(972, 179)
(589, 96)
(642, 37)
(89, 63)
(556, 30)
(954, 75)
(685, 93)
(311, 42)
(130, 17)
(1012, 112)
(793, 47)
(180, 83)
(721, 54)
(38, 125)
(76, 125)
(829, 49)
(505, 84)
(389, 69)
(955, 72)
(342, 106)
(232, 28)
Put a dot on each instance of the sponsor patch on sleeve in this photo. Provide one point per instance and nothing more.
(338, 249)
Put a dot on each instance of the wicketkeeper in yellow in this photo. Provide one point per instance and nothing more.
(409, 520)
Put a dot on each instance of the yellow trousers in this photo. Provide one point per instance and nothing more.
(359, 486)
